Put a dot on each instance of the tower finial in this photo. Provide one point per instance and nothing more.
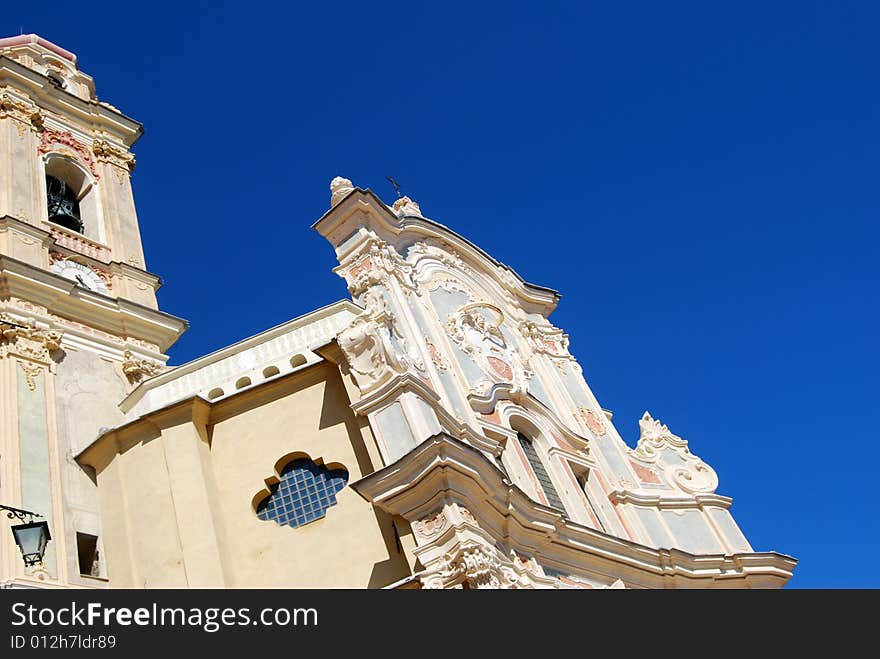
(339, 189)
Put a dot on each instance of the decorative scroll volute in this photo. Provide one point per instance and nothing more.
(688, 472)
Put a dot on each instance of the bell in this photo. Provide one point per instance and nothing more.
(63, 205)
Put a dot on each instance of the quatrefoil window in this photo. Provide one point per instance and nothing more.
(303, 494)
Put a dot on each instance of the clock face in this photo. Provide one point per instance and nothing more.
(83, 275)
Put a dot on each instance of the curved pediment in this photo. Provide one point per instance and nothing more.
(361, 215)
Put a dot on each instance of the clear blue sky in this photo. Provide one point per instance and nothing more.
(700, 182)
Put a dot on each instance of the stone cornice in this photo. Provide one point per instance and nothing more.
(442, 469)
(394, 387)
(487, 403)
(50, 240)
(656, 500)
(63, 297)
(37, 233)
(391, 389)
(47, 96)
(304, 339)
(194, 409)
(343, 219)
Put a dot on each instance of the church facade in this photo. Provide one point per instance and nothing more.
(434, 431)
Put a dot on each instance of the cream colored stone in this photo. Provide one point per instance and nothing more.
(420, 388)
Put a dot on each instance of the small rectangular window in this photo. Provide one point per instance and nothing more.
(89, 560)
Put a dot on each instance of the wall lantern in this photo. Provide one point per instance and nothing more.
(30, 536)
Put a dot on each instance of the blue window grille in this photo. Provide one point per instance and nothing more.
(304, 493)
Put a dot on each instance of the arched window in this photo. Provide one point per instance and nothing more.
(543, 477)
(63, 204)
(304, 493)
(72, 197)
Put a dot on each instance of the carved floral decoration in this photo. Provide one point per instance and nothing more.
(682, 468)
(477, 565)
(64, 142)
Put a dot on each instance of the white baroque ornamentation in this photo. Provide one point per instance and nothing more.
(136, 369)
(24, 339)
(431, 526)
(545, 339)
(376, 307)
(474, 563)
(371, 356)
(688, 473)
(479, 565)
(405, 206)
(378, 262)
(26, 115)
(476, 329)
(439, 250)
(339, 189)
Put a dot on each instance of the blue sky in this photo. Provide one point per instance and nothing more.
(699, 181)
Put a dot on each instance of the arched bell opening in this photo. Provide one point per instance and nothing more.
(71, 197)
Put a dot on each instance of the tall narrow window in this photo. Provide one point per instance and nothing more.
(540, 472)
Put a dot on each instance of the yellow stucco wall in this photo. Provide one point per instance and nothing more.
(177, 493)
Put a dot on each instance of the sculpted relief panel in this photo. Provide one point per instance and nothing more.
(476, 329)
(371, 357)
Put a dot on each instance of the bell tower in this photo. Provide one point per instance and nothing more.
(79, 322)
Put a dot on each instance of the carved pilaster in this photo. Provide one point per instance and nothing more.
(33, 348)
